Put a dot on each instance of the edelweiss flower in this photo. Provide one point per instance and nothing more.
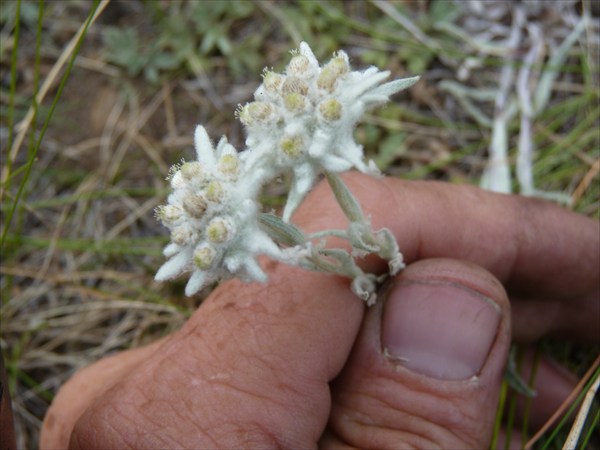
(304, 118)
(300, 122)
(213, 218)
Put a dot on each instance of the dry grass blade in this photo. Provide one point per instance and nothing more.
(586, 181)
(559, 412)
(48, 83)
(575, 432)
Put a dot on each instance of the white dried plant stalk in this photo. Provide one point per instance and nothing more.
(525, 84)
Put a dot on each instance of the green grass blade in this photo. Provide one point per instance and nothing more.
(36, 77)
(13, 83)
(593, 426)
(128, 246)
(499, 415)
(552, 437)
(537, 358)
(33, 154)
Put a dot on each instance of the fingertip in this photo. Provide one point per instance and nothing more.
(446, 319)
(439, 329)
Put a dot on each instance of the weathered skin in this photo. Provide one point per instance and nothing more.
(298, 362)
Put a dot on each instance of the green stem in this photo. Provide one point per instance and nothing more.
(337, 233)
(13, 83)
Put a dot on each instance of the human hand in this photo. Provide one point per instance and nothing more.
(300, 362)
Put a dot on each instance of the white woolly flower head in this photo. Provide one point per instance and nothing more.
(304, 118)
(212, 217)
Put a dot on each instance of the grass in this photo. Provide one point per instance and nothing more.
(108, 116)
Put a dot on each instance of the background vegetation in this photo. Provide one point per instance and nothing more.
(84, 165)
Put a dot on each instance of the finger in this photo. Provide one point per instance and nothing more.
(82, 389)
(545, 256)
(249, 369)
(427, 366)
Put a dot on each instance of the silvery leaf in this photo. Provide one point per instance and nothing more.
(345, 198)
(282, 232)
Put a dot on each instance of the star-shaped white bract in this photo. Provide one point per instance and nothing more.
(304, 119)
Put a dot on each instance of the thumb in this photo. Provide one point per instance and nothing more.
(426, 369)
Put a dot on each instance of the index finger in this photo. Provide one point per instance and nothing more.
(538, 250)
